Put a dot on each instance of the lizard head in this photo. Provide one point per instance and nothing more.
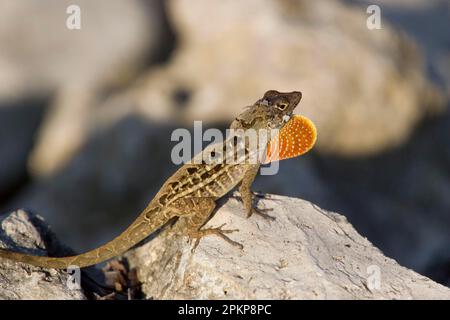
(278, 107)
(272, 111)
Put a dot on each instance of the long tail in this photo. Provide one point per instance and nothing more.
(136, 232)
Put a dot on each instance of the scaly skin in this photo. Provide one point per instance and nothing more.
(191, 193)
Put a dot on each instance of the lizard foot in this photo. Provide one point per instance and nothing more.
(198, 234)
(261, 213)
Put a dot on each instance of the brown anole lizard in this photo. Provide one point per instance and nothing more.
(190, 194)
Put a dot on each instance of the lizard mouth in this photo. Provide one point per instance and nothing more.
(284, 119)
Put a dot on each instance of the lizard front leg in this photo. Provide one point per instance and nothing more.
(197, 212)
(247, 195)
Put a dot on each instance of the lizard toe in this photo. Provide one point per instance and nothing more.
(262, 213)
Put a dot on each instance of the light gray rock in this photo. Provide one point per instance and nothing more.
(428, 23)
(306, 253)
(39, 55)
(22, 231)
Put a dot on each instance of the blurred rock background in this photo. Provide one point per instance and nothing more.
(86, 115)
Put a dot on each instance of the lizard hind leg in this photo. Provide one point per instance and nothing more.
(200, 211)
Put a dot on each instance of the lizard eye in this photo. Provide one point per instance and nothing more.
(282, 106)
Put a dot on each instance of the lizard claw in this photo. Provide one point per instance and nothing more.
(262, 195)
(257, 194)
(261, 213)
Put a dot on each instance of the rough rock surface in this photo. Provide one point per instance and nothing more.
(306, 253)
(21, 231)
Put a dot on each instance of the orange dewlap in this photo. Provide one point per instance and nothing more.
(297, 137)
